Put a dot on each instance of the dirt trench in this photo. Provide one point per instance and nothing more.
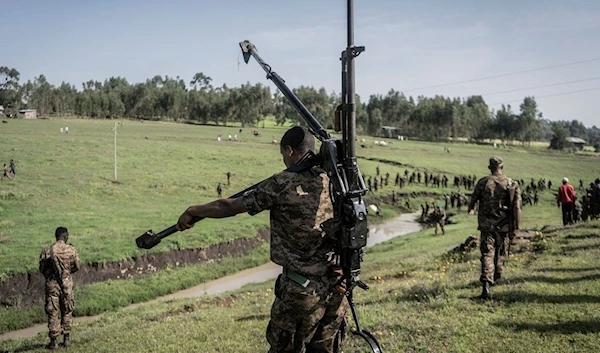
(25, 289)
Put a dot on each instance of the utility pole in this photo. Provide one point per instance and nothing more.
(115, 130)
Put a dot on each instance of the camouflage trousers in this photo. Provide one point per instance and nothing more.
(59, 307)
(493, 248)
(307, 320)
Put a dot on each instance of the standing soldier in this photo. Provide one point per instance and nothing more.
(439, 216)
(13, 168)
(219, 190)
(228, 177)
(308, 313)
(499, 218)
(6, 172)
(57, 262)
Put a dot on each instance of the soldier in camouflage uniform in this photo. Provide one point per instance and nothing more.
(494, 217)
(439, 216)
(308, 314)
(57, 262)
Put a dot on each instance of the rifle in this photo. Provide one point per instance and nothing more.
(56, 266)
(510, 217)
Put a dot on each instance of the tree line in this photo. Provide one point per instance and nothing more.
(199, 101)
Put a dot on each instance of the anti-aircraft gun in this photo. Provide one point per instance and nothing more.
(348, 227)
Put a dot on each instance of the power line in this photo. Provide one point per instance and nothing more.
(542, 86)
(549, 95)
(502, 75)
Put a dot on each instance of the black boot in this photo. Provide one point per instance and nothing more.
(67, 340)
(485, 292)
(52, 345)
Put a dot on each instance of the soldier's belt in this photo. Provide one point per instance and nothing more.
(296, 277)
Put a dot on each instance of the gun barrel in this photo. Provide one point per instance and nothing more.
(248, 50)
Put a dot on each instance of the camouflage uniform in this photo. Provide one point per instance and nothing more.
(492, 194)
(59, 285)
(308, 314)
(439, 215)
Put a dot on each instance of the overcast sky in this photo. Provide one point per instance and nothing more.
(409, 45)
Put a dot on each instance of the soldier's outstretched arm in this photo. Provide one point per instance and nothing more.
(221, 208)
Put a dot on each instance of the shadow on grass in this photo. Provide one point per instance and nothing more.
(566, 328)
(553, 280)
(581, 269)
(261, 317)
(573, 248)
(582, 236)
(527, 297)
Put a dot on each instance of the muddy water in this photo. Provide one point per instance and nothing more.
(380, 233)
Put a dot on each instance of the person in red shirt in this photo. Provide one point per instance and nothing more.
(566, 198)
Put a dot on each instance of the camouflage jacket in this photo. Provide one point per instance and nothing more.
(67, 262)
(298, 204)
(492, 193)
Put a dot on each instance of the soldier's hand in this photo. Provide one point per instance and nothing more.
(184, 220)
(472, 212)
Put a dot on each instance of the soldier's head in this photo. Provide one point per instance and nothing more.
(61, 233)
(496, 164)
(295, 143)
(565, 180)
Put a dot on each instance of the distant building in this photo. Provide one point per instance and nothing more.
(390, 132)
(28, 114)
(579, 143)
(573, 142)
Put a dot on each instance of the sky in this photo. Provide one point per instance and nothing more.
(411, 46)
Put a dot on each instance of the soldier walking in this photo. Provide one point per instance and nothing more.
(499, 217)
(57, 262)
(439, 216)
(219, 190)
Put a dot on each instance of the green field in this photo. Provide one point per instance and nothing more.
(67, 180)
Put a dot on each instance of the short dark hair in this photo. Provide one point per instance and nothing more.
(299, 139)
(61, 232)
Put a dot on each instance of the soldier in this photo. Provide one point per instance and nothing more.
(377, 171)
(219, 190)
(13, 168)
(308, 313)
(6, 172)
(57, 262)
(228, 177)
(439, 216)
(499, 218)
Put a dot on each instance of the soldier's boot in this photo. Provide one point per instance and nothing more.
(53, 344)
(67, 340)
(485, 290)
